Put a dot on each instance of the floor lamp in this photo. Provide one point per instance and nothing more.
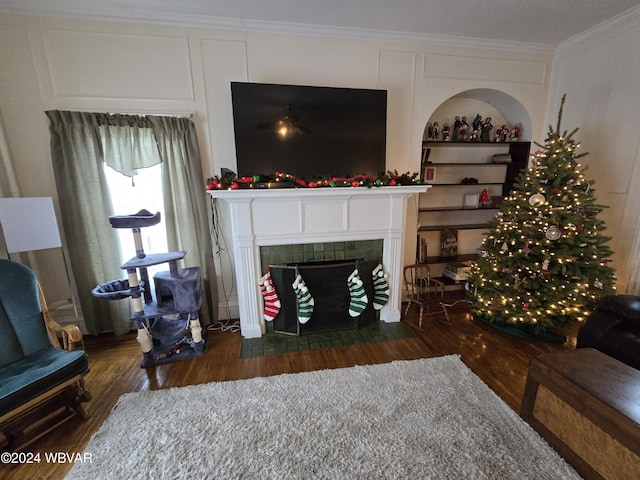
(28, 224)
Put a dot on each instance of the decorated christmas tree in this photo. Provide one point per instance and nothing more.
(543, 262)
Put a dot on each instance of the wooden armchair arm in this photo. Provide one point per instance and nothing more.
(70, 334)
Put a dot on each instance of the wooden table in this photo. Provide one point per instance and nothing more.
(587, 406)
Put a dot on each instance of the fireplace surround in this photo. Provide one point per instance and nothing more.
(262, 217)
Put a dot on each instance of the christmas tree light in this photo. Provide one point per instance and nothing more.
(544, 260)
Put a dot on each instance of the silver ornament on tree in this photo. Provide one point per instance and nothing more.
(553, 233)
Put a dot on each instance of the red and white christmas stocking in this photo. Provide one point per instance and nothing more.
(271, 300)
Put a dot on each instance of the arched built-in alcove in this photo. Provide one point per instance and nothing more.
(500, 106)
(468, 178)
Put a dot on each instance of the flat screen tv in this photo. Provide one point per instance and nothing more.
(307, 131)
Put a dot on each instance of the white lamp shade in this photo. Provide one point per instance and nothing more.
(29, 224)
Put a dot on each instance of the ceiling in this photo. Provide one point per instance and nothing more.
(543, 24)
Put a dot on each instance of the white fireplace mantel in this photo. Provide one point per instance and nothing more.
(261, 217)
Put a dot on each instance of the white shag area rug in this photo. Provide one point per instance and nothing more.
(419, 419)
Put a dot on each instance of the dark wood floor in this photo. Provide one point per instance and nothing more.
(500, 360)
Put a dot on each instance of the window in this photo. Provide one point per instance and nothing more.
(130, 195)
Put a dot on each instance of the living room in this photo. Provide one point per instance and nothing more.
(184, 66)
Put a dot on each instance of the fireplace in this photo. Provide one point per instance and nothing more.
(314, 215)
(327, 281)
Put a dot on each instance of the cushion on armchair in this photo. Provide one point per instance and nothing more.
(27, 378)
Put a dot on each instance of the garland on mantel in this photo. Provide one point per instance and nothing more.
(286, 180)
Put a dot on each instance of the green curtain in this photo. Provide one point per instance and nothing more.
(85, 207)
(185, 200)
(128, 142)
(80, 143)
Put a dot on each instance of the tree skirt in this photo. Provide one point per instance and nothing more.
(428, 418)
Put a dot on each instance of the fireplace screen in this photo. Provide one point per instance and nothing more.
(327, 284)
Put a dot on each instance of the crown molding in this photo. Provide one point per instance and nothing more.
(285, 28)
(601, 32)
(393, 36)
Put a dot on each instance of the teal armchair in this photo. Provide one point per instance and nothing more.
(41, 384)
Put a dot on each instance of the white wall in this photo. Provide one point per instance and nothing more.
(600, 75)
(123, 67)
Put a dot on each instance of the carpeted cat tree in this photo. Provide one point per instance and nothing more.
(169, 327)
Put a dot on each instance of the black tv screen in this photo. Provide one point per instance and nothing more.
(330, 132)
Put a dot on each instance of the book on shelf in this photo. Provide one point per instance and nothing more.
(456, 277)
(448, 243)
(421, 249)
(459, 267)
(457, 272)
(502, 158)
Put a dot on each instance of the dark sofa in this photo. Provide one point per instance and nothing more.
(614, 329)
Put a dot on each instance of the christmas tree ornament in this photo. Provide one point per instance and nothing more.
(518, 281)
(271, 300)
(380, 287)
(537, 200)
(553, 233)
(305, 300)
(359, 298)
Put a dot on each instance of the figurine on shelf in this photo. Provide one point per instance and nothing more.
(429, 131)
(456, 129)
(485, 200)
(432, 131)
(446, 131)
(485, 131)
(504, 133)
(463, 132)
(516, 131)
(476, 125)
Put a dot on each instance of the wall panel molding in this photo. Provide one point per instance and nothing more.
(81, 65)
(485, 69)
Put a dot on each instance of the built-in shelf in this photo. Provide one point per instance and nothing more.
(465, 226)
(468, 164)
(464, 184)
(449, 281)
(453, 209)
(444, 207)
(440, 143)
(458, 258)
